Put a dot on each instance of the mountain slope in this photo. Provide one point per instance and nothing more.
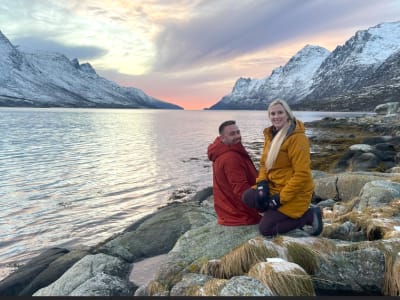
(44, 79)
(348, 66)
(289, 82)
(356, 76)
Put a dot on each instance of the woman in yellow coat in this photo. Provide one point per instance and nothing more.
(284, 184)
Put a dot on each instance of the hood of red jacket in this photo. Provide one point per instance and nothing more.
(217, 148)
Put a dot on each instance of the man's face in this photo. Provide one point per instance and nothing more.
(231, 135)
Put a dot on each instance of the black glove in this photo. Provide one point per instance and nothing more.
(274, 201)
(262, 195)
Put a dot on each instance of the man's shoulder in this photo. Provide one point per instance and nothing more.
(234, 156)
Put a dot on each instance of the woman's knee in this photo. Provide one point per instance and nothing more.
(267, 231)
(267, 226)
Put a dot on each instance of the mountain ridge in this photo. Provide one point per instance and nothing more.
(47, 79)
(356, 76)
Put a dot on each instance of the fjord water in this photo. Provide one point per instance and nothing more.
(72, 177)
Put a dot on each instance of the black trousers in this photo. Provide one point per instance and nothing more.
(274, 222)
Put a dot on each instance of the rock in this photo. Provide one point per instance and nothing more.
(206, 242)
(318, 174)
(244, 286)
(144, 270)
(386, 139)
(347, 231)
(53, 271)
(361, 147)
(158, 234)
(326, 203)
(378, 193)
(189, 285)
(387, 108)
(102, 284)
(331, 137)
(345, 186)
(360, 270)
(22, 278)
(93, 274)
(365, 157)
(394, 170)
(283, 278)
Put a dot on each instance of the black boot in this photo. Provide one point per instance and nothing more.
(317, 223)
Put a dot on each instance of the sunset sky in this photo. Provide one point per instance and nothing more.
(187, 52)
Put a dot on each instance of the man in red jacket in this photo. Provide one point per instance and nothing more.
(233, 173)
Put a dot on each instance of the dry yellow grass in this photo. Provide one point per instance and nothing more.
(239, 260)
(283, 278)
(376, 223)
(155, 288)
(304, 256)
(213, 287)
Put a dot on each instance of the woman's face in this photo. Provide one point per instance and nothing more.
(278, 116)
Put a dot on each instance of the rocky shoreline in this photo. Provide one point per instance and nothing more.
(184, 252)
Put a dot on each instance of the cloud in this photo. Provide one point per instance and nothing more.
(32, 44)
(236, 28)
(187, 49)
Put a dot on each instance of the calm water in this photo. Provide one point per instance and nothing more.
(77, 176)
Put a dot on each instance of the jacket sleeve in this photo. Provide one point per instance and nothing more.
(299, 156)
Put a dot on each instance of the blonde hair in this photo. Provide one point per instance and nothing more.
(280, 136)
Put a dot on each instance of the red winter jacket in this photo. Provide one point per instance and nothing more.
(233, 173)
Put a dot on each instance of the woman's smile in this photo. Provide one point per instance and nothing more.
(278, 116)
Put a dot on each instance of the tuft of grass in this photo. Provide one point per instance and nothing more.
(213, 287)
(239, 260)
(391, 286)
(283, 278)
(395, 178)
(212, 268)
(156, 288)
(304, 256)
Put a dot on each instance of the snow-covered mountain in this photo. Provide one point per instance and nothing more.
(356, 76)
(291, 82)
(44, 79)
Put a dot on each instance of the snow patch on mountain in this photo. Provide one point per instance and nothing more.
(383, 41)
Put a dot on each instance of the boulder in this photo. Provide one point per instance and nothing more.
(23, 278)
(95, 275)
(206, 242)
(345, 186)
(55, 269)
(158, 234)
(365, 157)
(387, 108)
(244, 286)
(378, 193)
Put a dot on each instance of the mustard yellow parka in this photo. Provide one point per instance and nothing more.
(290, 175)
